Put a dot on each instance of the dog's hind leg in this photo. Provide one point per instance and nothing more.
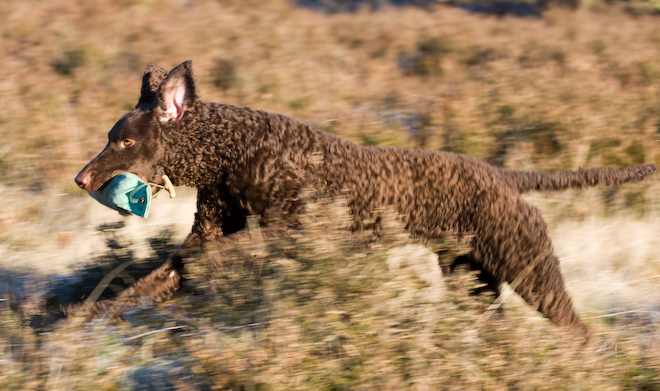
(545, 290)
(515, 248)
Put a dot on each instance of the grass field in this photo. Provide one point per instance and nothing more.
(572, 88)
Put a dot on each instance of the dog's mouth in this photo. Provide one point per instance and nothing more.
(155, 185)
(154, 189)
(105, 184)
(102, 187)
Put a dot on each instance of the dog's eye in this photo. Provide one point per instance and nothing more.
(127, 142)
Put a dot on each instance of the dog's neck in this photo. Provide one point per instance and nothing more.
(218, 138)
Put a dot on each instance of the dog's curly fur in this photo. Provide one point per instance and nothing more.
(249, 162)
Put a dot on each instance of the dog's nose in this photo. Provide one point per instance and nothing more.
(83, 179)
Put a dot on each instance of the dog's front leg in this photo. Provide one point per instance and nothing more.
(217, 219)
(159, 285)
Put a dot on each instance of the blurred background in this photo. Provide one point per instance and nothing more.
(544, 85)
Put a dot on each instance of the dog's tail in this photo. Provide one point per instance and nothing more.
(578, 179)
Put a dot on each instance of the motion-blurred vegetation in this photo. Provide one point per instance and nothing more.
(568, 84)
(320, 309)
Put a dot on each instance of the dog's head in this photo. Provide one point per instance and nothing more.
(135, 143)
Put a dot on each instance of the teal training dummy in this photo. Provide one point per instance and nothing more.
(129, 194)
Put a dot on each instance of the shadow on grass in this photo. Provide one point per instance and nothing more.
(520, 8)
(39, 298)
(338, 6)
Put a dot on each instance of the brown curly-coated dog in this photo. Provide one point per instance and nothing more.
(248, 162)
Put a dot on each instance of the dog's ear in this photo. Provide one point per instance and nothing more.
(151, 80)
(176, 95)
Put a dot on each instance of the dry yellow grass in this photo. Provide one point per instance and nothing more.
(573, 88)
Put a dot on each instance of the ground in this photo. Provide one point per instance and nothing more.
(571, 88)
